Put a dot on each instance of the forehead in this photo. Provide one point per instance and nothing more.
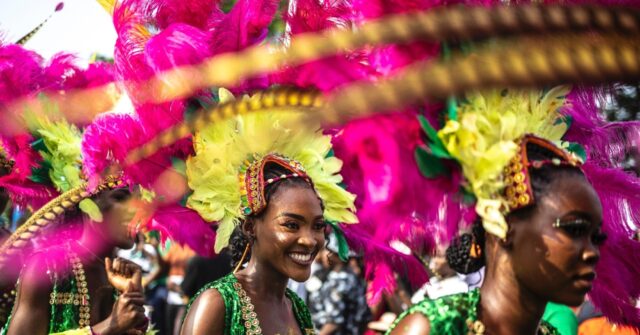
(572, 193)
(296, 200)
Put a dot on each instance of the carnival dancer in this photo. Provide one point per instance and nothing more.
(268, 180)
(75, 230)
(541, 220)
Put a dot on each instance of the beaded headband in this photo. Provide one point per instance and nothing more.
(518, 191)
(252, 183)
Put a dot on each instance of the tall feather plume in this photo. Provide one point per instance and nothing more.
(331, 72)
(193, 12)
(246, 24)
(616, 288)
(395, 202)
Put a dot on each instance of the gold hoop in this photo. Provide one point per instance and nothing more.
(244, 255)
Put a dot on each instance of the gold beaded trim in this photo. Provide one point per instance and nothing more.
(518, 192)
(81, 298)
(50, 213)
(252, 181)
(275, 98)
(249, 316)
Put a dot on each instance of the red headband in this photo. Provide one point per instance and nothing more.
(252, 181)
(518, 191)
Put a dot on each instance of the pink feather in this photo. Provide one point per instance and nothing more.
(246, 24)
(184, 226)
(192, 12)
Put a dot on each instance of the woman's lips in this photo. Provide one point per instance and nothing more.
(585, 281)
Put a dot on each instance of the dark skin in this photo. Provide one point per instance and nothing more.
(32, 311)
(537, 262)
(292, 225)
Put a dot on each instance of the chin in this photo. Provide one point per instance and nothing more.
(301, 276)
(572, 299)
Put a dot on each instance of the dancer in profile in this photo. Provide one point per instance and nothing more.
(541, 222)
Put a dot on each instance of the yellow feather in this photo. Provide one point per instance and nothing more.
(222, 147)
(483, 139)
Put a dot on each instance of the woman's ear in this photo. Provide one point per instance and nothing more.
(248, 229)
(507, 241)
(513, 222)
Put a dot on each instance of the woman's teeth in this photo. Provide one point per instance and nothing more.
(300, 258)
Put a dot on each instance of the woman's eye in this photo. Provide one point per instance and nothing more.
(119, 195)
(575, 230)
(320, 226)
(599, 238)
(291, 225)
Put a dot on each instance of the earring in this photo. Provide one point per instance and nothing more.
(244, 255)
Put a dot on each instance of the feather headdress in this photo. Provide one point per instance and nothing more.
(482, 139)
(222, 150)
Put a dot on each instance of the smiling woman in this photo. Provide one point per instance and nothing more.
(270, 183)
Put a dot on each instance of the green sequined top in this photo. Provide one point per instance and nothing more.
(233, 321)
(65, 300)
(454, 314)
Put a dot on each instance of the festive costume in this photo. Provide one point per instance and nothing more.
(488, 135)
(385, 155)
(226, 175)
(457, 314)
(224, 159)
(236, 302)
(46, 175)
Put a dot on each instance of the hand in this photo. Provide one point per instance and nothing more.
(123, 275)
(126, 316)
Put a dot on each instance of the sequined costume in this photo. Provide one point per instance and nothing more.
(69, 298)
(234, 323)
(456, 315)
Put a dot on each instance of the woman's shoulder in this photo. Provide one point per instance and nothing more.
(218, 289)
(207, 311)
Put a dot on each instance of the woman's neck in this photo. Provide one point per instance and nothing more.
(506, 307)
(91, 245)
(262, 280)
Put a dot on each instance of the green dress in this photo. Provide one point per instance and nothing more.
(234, 323)
(455, 314)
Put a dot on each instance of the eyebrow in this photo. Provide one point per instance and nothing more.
(297, 216)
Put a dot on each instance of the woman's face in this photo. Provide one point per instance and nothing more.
(117, 215)
(555, 249)
(291, 232)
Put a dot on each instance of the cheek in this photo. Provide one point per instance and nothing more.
(547, 262)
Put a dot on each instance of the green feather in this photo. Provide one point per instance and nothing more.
(343, 247)
(430, 165)
(91, 208)
(435, 143)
